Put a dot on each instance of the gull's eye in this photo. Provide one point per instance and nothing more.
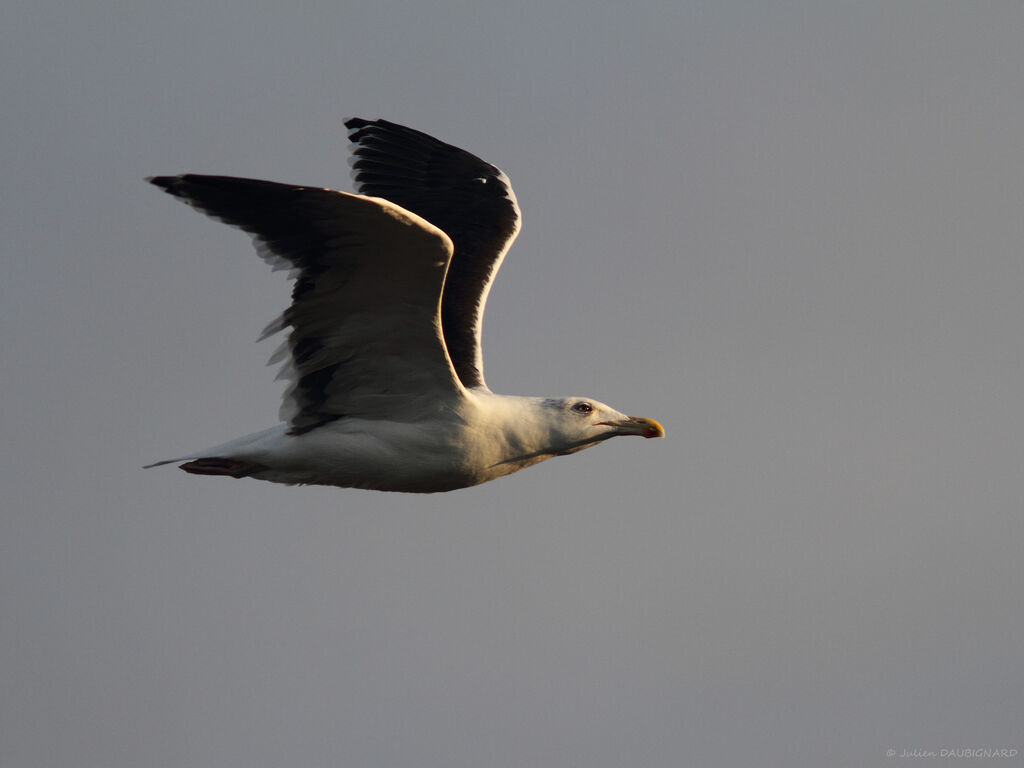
(583, 408)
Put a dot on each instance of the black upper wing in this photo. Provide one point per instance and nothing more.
(470, 200)
(364, 337)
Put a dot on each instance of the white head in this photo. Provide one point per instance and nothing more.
(532, 429)
(575, 423)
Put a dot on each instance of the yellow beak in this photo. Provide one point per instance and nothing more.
(635, 425)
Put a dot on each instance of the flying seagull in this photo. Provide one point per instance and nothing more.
(382, 351)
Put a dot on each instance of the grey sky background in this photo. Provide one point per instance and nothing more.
(791, 232)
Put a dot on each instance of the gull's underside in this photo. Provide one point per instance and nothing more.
(382, 347)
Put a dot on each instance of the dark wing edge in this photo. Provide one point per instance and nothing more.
(470, 200)
(332, 243)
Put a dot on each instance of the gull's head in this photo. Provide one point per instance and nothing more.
(520, 431)
(579, 422)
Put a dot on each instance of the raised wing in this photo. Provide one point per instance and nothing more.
(365, 336)
(472, 201)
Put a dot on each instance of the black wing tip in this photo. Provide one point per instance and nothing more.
(359, 127)
(355, 123)
(177, 185)
(191, 185)
(358, 123)
(182, 179)
(164, 182)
